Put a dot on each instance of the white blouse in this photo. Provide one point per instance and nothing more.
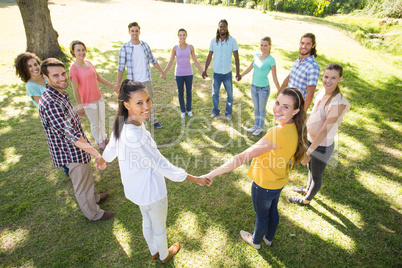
(142, 166)
(320, 113)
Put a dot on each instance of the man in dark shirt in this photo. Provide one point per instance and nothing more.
(67, 142)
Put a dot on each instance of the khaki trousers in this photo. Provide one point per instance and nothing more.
(152, 117)
(85, 192)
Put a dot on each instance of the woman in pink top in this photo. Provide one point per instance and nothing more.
(84, 80)
(184, 72)
(329, 108)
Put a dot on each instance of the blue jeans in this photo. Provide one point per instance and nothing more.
(180, 80)
(265, 202)
(226, 79)
(260, 97)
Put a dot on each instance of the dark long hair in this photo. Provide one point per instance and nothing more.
(126, 88)
(312, 37)
(20, 64)
(218, 33)
(300, 121)
(339, 68)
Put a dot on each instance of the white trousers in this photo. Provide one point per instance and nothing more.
(154, 227)
(96, 115)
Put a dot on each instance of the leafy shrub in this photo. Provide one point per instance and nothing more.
(318, 8)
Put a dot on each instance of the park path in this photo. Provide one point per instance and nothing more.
(98, 23)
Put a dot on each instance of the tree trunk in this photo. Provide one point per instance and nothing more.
(264, 6)
(39, 32)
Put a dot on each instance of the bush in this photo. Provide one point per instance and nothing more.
(382, 9)
(318, 8)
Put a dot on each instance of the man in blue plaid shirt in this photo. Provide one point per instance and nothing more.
(305, 70)
(137, 56)
(67, 142)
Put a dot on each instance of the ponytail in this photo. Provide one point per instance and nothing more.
(126, 88)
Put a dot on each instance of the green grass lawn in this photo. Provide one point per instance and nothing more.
(354, 221)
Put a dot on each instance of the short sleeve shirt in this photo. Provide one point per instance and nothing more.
(34, 89)
(271, 170)
(222, 59)
(261, 70)
(87, 83)
(319, 115)
(304, 74)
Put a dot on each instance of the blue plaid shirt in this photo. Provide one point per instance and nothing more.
(62, 128)
(304, 74)
(125, 58)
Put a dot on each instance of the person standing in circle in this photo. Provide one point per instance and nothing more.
(184, 71)
(262, 63)
(269, 169)
(221, 48)
(27, 67)
(329, 108)
(143, 168)
(84, 79)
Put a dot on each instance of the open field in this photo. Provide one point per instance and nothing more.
(355, 220)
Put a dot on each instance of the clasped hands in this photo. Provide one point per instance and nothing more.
(100, 162)
(206, 179)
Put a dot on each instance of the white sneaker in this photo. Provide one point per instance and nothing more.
(252, 129)
(190, 114)
(183, 115)
(214, 115)
(248, 238)
(257, 131)
(267, 242)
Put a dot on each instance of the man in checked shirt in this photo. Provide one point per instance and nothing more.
(137, 55)
(67, 142)
(305, 70)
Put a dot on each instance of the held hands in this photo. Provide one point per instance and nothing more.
(305, 159)
(163, 75)
(209, 178)
(81, 112)
(203, 181)
(204, 74)
(100, 162)
(116, 88)
(238, 77)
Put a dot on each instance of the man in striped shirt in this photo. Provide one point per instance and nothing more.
(67, 142)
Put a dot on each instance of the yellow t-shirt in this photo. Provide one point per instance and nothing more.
(271, 170)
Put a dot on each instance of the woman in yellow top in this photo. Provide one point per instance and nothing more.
(270, 167)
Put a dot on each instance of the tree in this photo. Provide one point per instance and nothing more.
(264, 6)
(39, 32)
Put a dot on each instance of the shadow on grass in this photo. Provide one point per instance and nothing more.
(40, 212)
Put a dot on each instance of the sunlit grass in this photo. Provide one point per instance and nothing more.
(353, 221)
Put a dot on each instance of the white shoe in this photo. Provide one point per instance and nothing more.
(248, 238)
(214, 115)
(229, 116)
(190, 114)
(267, 242)
(252, 129)
(257, 131)
(183, 115)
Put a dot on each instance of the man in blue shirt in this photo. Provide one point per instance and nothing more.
(305, 70)
(223, 45)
